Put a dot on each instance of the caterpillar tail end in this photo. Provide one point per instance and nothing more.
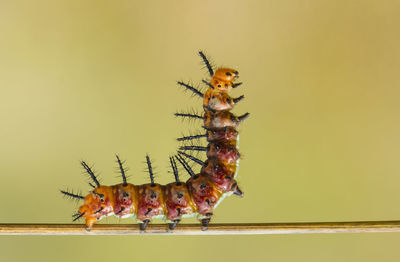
(238, 192)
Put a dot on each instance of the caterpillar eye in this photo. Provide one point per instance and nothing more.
(228, 73)
(101, 196)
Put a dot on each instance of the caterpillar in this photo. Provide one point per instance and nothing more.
(202, 192)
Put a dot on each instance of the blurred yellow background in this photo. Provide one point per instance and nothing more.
(88, 79)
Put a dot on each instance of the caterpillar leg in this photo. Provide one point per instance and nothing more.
(206, 221)
(171, 226)
(89, 224)
(144, 225)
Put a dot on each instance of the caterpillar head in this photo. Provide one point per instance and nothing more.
(89, 210)
(226, 74)
(97, 204)
(223, 79)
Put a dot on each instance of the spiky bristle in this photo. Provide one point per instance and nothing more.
(91, 173)
(207, 63)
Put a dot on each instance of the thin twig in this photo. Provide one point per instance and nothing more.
(195, 229)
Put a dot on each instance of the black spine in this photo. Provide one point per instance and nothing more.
(91, 173)
(207, 63)
(77, 216)
(150, 169)
(185, 165)
(122, 169)
(238, 99)
(174, 168)
(71, 194)
(194, 159)
(184, 138)
(191, 88)
(196, 148)
(207, 83)
(236, 85)
(243, 117)
(188, 115)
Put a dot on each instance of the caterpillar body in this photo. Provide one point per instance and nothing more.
(202, 192)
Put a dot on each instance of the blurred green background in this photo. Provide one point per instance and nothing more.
(83, 80)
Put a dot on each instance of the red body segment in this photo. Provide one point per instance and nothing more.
(125, 200)
(204, 194)
(221, 176)
(222, 135)
(225, 153)
(150, 201)
(220, 120)
(178, 201)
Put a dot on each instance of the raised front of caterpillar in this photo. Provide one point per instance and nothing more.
(202, 192)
